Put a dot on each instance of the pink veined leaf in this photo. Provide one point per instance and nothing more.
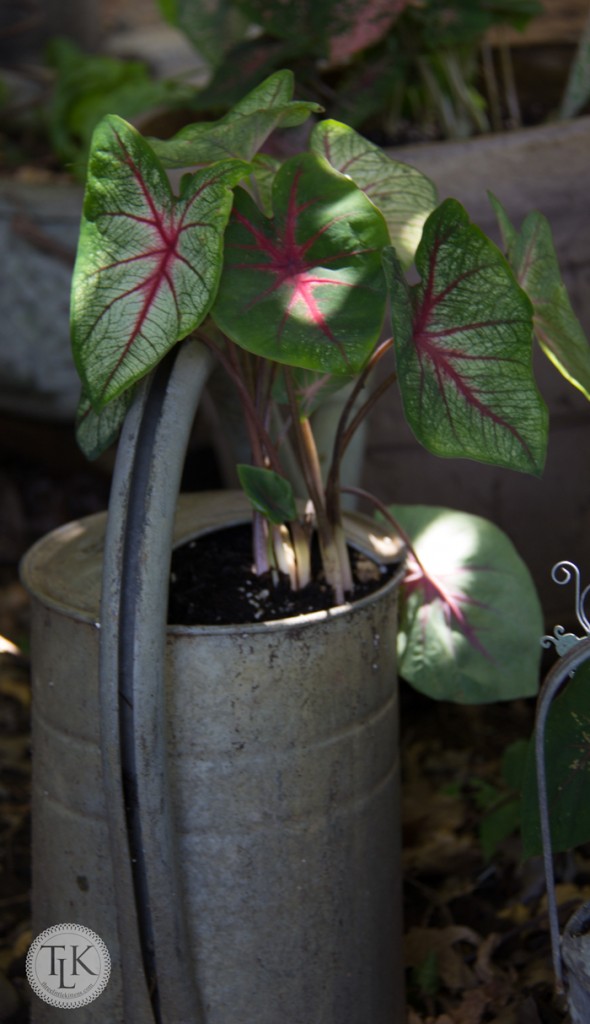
(369, 23)
(470, 617)
(463, 348)
(443, 590)
(403, 194)
(305, 288)
(148, 262)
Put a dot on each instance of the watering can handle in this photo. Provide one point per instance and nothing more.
(158, 976)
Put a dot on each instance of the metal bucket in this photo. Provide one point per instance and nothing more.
(283, 765)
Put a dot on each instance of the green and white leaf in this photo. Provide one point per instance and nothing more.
(404, 195)
(532, 256)
(242, 131)
(97, 431)
(470, 617)
(305, 288)
(463, 344)
(148, 262)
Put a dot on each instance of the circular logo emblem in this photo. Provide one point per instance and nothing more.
(68, 965)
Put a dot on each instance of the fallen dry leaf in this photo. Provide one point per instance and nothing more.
(484, 969)
(472, 1007)
(454, 973)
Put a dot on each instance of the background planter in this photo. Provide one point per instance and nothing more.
(284, 785)
(39, 225)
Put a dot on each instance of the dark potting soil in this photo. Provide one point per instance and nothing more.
(212, 583)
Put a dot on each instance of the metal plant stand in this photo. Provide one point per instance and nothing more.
(570, 952)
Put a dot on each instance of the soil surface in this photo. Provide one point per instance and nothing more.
(212, 583)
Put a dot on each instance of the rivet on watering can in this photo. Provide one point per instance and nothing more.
(573, 650)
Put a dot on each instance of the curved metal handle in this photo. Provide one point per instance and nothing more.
(158, 976)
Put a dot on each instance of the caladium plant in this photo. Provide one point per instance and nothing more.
(296, 275)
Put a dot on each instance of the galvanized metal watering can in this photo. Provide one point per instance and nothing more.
(232, 835)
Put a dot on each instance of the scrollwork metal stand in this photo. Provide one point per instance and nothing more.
(571, 953)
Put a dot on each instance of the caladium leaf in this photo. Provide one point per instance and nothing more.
(567, 767)
(531, 253)
(305, 288)
(404, 195)
(242, 131)
(312, 390)
(365, 24)
(463, 342)
(336, 29)
(97, 431)
(470, 618)
(264, 171)
(148, 262)
(269, 493)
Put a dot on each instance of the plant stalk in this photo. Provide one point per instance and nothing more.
(336, 567)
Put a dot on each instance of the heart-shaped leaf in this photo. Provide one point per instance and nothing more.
(531, 253)
(404, 195)
(463, 339)
(148, 262)
(264, 171)
(269, 493)
(97, 431)
(567, 766)
(244, 128)
(470, 619)
(307, 287)
(312, 390)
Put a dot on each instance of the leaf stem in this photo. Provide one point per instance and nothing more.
(263, 448)
(334, 554)
(345, 432)
(361, 493)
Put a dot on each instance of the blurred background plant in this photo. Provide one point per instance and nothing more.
(380, 66)
(53, 118)
(396, 70)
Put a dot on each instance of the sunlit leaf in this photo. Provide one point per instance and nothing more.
(148, 262)
(463, 340)
(305, 288)
(404, 195)
(470, 619)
